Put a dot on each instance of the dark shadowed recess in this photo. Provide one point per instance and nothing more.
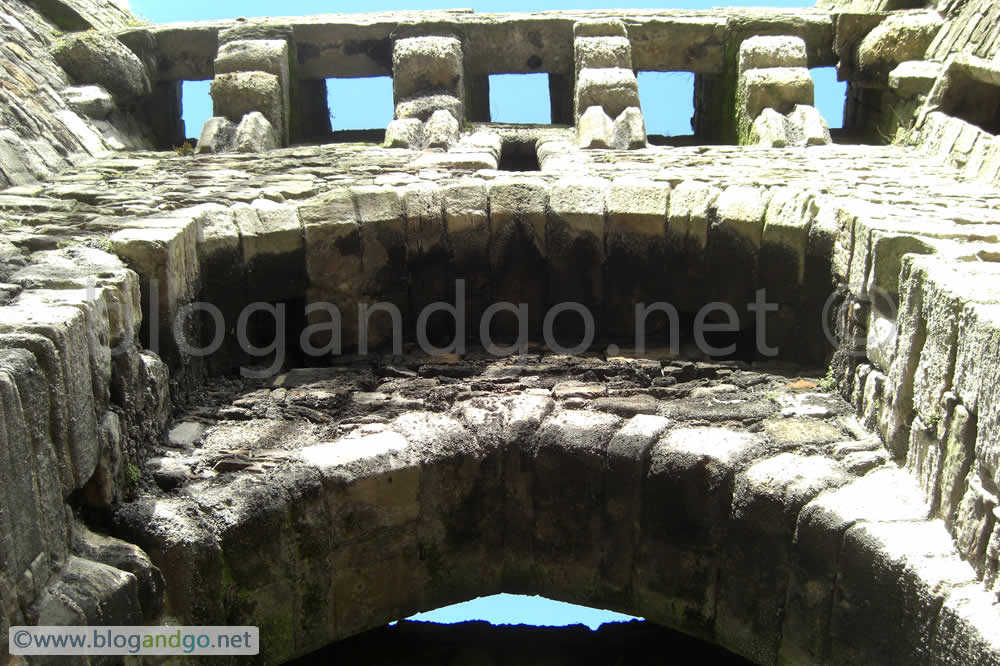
(635, 643)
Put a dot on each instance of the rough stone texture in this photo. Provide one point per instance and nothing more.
(255, 134)
(769, 130)
(595, 129)
(613, 88)
(405, 133)
(765, 52)
(95, 58)
(779, 88)
(807, 127)
(794, 534)
(218, 135)
(427, 65)
(897, 39)
(914, 77)
(92, 101)
(742, 513)
(236, 94)
(630, 130)
(441, 130)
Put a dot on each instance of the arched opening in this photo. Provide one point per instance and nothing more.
(516, 629)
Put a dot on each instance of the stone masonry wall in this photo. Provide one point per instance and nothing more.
(894, 249)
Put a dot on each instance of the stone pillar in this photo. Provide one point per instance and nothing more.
(606, 87)
(253, 75)
(561, 98)
(774, 95)
(428, 87)
(311, 117)
(477, 98)
(711, 110)
(163, 111)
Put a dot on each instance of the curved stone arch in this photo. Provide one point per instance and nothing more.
(780, 556)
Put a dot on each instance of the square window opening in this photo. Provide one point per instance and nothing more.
(196, 107)
(359, 107)
(519, 156)
(520, 99)
(830, 95)
(667, 100)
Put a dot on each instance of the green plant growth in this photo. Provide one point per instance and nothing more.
(132, 478)
(102, 243)
(829, 383)
(9, 222)
(187, 150)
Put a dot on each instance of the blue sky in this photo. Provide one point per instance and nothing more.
(519, 609)
(666, 99)
(666, 96)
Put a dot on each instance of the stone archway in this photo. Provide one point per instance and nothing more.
(735, 507)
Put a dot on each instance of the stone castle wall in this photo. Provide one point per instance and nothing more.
(896, 245)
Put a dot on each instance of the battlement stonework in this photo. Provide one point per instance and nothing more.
(317, 382)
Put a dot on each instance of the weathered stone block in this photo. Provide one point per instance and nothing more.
(575, 238)
(427, 65)
(92, 101)
(764, 51)
(687, 238)
(255, 134)
(887, 494)
(734, 241)
(467, 221)
(125, 557)
(682, 43)
(99, 58)
(383, 251)
(518, 265)
(600, 52)
(613, 88)
(965, 629)
(163, 251)
(914, 77)
(594, 129)
(22, 540)
(238, 93)
(441, 130)
(218, 135)
(628, 454)
(898, 38)
(183, 546)
(272, 241)
(425, 106)
(254, 55)
(807, 127)
(686, 502)
(66, 328)
(569, 516)
(890, 590)
(766, 502)
(405, 133)
(90, 593)
(599, 28)
(630, 130)
(769, 130)
(778, 88)
(36, 462)
(333, 261)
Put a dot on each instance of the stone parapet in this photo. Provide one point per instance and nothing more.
(606, 87)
